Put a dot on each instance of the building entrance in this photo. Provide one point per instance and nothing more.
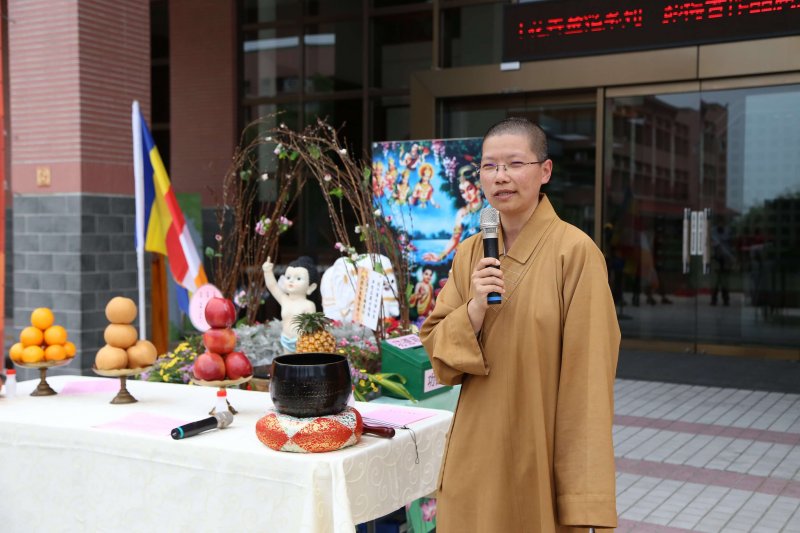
(701, 218)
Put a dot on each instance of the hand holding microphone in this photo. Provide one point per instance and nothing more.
(490, 227)
(487, 278)
(220, 420)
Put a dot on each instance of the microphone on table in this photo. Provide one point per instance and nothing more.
(490, 224)
(219, 420)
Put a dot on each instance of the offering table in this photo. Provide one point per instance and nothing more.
(75, 462)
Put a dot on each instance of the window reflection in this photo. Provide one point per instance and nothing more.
(390, 119)
(463, 28)
(329, 51)
(271, 62)
(402, 44)
(256, 11)
(331, 7)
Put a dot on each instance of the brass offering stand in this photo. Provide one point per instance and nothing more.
(123, 396)
(222, 384)
(44, 388)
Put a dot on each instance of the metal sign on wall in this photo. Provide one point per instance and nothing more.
(562, 28)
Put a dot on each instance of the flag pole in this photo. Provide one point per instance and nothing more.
(138, 175)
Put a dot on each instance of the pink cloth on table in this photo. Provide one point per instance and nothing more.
(88, 387)
(156, 425)
(399, 416)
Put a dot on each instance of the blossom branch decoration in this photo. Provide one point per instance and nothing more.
(346, 183)
(249, 229)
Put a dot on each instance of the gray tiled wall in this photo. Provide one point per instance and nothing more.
(72, 253)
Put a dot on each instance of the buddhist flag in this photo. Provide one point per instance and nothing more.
(160, 225)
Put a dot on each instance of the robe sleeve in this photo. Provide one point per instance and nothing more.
(447, 334)
(584, 450)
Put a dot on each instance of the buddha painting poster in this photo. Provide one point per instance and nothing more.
(430, 192)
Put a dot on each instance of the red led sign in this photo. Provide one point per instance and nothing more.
(560, 28)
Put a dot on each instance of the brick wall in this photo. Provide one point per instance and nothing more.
(74, 68)
(202, 93)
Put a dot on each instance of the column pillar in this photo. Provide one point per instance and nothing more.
(74, 68)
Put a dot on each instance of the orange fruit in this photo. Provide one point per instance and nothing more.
(55, 335)
(16, 352)
(42, 318)
(31, 336)
(70, 349)
(56, 352)
(32, 354)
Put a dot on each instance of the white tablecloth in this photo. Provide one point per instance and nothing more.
(62, 473)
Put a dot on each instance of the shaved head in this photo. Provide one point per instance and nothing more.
(522, 126)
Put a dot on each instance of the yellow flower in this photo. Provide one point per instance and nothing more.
(171, 363)
(361, 383)
(374, 387)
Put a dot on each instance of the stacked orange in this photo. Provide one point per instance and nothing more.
(42, 340)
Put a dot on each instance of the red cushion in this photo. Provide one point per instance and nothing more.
(310, 435)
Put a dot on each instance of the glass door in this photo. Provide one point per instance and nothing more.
(750, 179)
(651, 175)
(701, 226)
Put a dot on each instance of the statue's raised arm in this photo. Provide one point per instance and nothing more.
(300, 281)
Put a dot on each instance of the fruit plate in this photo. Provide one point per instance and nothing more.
(45, 364)
(44, 388)
(123, 396)
(121, 372)
(222, 382)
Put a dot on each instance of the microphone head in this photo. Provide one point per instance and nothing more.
(490, 221)
(489, 217)
(224, 419)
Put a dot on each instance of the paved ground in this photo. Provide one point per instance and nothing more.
(705, 458)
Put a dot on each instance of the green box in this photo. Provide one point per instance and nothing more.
(407, 357)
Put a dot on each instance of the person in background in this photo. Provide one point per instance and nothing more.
(530, 446)
(722, 259)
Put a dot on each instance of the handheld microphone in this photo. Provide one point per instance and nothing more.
(219, 420)
(490, 224)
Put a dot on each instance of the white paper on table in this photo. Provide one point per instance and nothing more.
(369, 294)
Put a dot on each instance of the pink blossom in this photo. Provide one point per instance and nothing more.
(261, 227)
(428, 509)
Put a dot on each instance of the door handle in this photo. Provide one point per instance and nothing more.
(696, 238)
(687, 215)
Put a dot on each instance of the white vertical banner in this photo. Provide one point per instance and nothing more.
(138, 180)
(369, 298)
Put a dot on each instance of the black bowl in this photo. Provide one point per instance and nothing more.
(310, 384)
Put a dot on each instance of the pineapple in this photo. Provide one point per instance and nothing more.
(313, 337)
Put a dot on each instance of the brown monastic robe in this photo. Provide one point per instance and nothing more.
(530, 446)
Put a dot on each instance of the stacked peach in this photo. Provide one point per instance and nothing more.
(42, 340)
(123, 349)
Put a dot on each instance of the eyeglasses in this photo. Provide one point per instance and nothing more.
(513, 168)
